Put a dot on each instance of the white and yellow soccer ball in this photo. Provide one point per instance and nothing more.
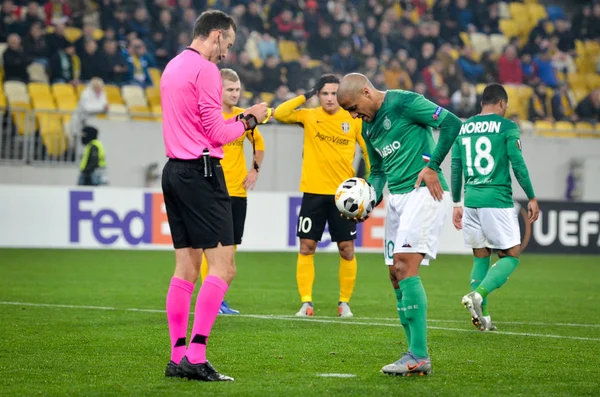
(355, 198)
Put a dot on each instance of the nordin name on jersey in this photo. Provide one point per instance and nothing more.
(480, 127)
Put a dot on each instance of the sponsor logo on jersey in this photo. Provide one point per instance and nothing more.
(387, 124)
(436, 114)
(388, 149)
(345, 127)
(480, 127)
(239, 142)
(333, 139)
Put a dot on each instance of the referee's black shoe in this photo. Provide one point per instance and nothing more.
(204, 372)
(172, 371)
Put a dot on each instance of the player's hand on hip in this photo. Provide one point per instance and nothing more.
(260, 111)
(533, 210)
(250, 180)
(457, 215)
(432, 181)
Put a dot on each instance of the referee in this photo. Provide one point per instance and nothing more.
(196, 199)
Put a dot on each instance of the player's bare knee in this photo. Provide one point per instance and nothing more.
(346, 249)
(406, 265)
(307, 247)
(482, 252)
(514, 252)
(187, 264)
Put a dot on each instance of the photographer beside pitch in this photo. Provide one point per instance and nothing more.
(196, 199)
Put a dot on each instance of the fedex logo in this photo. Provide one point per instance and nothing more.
(136, 227)
(369, 234)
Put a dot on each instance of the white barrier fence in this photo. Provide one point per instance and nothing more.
(120, 218)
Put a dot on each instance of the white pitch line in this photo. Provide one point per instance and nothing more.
(462, 321)
(313, 320)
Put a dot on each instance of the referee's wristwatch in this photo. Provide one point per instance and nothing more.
(249, 121)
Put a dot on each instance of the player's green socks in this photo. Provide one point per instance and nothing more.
(478, 273)
(497, 275)
(414, 300)
(402, 315)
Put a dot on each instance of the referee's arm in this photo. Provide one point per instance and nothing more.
(210, 108)
(287, 112)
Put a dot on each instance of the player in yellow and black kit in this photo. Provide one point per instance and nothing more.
(237, 178)
(330, 138)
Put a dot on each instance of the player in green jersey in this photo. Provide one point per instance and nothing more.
(397, 130)
(485, 149)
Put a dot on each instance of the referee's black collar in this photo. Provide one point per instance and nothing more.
(192, 49)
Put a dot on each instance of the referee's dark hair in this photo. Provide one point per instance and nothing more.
(493, 94)
(213, 20)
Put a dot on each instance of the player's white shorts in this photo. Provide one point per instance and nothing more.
(414, 223)
(496, 228)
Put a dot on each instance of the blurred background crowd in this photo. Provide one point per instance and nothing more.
(447, 50)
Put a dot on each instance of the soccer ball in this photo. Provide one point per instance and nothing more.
(355, 198)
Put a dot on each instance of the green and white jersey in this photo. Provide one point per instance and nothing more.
(486, 146)
(400, 140)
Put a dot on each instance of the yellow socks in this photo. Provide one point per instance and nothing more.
(347, 278)
(305, 276)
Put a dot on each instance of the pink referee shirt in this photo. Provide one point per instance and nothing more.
(190, 90)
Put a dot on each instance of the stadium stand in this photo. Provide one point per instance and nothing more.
(290, 43)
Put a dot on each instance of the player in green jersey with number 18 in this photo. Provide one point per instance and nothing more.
(486, 147)
(397, 130)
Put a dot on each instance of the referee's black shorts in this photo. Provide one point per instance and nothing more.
(198, 206)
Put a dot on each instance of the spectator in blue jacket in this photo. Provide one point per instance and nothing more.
(545, 70)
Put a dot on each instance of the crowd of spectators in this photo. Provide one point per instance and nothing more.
(406, 44)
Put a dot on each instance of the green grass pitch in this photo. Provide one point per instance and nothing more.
(67, 329)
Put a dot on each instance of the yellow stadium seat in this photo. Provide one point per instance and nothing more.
(37, 72)
(72, 34)
(66, 105)
(543, 126)
(576, 80)
(525, 92)
(157, 112)
(43, 103)
(536, 12)
(584, 65)
(117, 111)
(154, 76)
(3, 102)
(498, 42)
(39, 90)
(314, 63)
(579, 48)
(248, 95)
(564, 129)
(518, 11)
(16, 91)
(267, 97)
(593, 80)
(580, 93)
(141, 113)
(592, 48)
(153, 95)
(464, 37)
(288, 51)
(510, 28)
(257, 62)
(480, 42)
(98, 34)
(583, 126)
(133, 95)
(80, 88)
(63, 91)
(51, 131)
(480, 87)
(113, 94)
(21, 112)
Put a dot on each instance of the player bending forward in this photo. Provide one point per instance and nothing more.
(397, 129)
(486, 144)
(237, 178)
(330, 138)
